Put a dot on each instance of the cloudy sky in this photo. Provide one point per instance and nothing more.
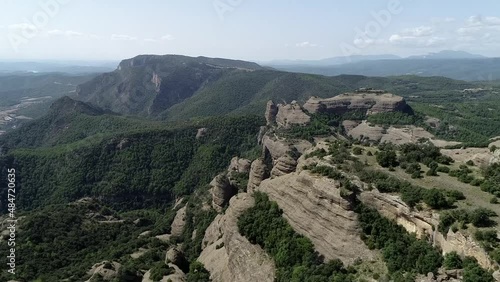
(244, 29)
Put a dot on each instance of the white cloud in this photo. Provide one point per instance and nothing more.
(123, 37)
(167, 37)
(306, 44)
(421, 36)
(65, 33)
(418, 31)
(479, 20)
(445, 20)
(23, 27)
(365, 42)
(413, 41)
(476, 27)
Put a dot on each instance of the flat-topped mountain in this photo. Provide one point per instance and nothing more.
(148, 85)
(369, 102)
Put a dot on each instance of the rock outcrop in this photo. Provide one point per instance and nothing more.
(464, 246)
(179, 222)
(424, 225)
(221, 191)
(177, 276)
(239, 165)
(174, 256)
(201, 133)
(284, 165)
(291, 114)
(229, 256)
(277, 148)
(371, 103)
(392, 207)
(106, 270)
(314, 208)
(258, 172)
(271, 112)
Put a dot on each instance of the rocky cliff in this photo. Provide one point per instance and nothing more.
(229, 256)
(291, 114)
(314, 208)
(370, 103)
(392, 207)
(424, 225)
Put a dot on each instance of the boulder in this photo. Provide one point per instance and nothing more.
(221, 191)
(271, 112)
(201, 133)
(284, 165)
(108, 270)
(258, 172)
(179, 222)
(239, 165)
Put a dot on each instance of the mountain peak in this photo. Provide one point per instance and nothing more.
(67, 105)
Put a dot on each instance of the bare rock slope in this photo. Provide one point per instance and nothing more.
(229, 256)
(314, 208)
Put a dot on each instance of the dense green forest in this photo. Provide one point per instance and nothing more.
(133, 170)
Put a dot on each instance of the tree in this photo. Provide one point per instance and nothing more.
(198, 273)
(481, 217)
(452, 261)
(435, 199)
(387, 158)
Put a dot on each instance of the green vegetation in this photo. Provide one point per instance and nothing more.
(197, 273)
(491, 181)
(452, 261)
(130, 171)
(410, 194)
(64, 241)
(293, 254)
(402, 252)
(479, 217)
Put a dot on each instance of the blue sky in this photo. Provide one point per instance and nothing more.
(244, 29)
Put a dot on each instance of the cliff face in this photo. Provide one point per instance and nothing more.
(314, 208)
(229, 256)
(371, 103)
(424, 225)
(148, 85)
(464, 246)
(394, 208)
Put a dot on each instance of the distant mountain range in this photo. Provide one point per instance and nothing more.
(453, 64)
(68, 67)
(174, 87)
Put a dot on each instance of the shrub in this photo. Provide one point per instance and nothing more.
(387, 158)
(452, 261)
(357, 150)
(444, 169)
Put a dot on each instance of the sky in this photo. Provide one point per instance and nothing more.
(258, 30)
